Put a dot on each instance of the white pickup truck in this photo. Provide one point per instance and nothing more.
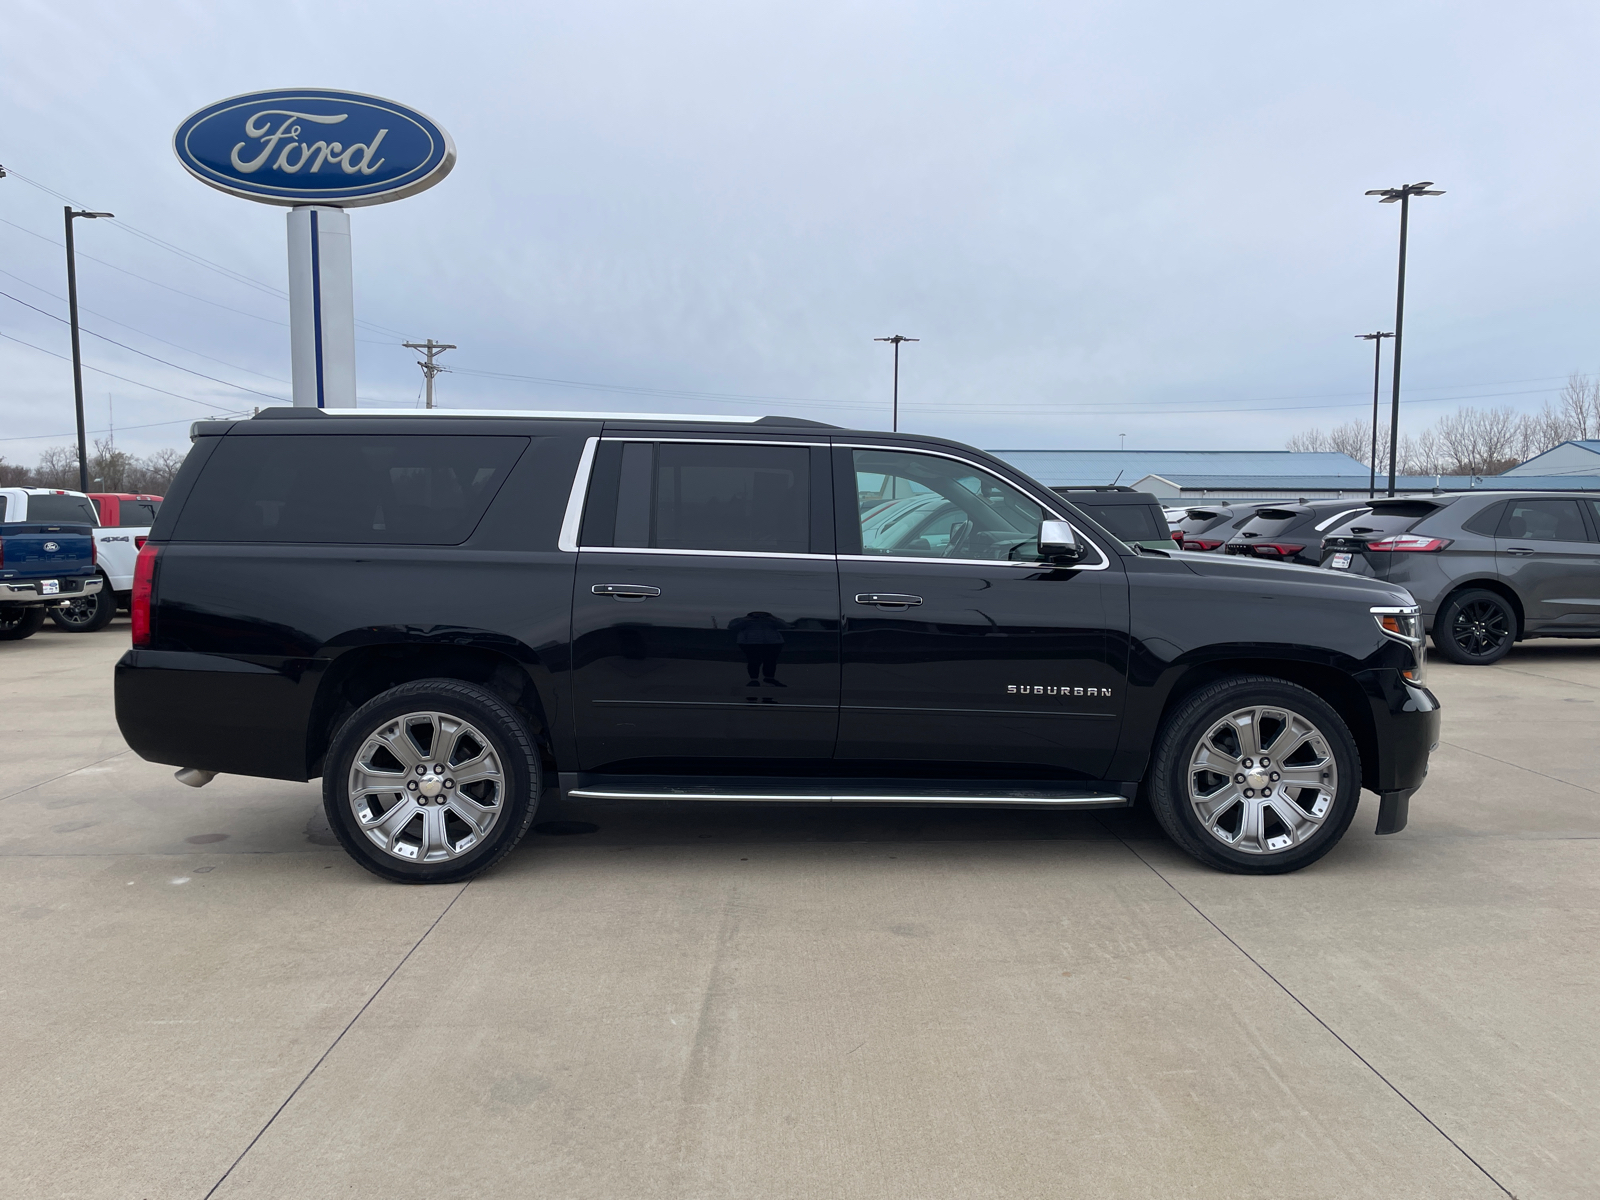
(122, 521)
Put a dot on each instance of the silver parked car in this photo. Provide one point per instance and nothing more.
(1487, 568)
(1207, 527)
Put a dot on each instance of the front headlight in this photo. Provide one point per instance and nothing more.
(1405, 625)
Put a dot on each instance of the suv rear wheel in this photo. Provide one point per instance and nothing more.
(1475, 628)
(1255, 776)
(86, 614)
(431, 782)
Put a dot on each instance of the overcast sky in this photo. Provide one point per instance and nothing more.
(1101, 219)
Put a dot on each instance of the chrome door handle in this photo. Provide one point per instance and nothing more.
(888, 599)
(1519, 551)
(628, 593)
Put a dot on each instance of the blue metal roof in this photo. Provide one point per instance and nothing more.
(1076, 468)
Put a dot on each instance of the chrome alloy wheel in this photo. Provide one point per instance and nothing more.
(1262, 780)
(426, 787)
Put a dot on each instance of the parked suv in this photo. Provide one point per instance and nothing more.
(1487, 568)
(1292, 533)
(1137, 518)
(1207, 527)
(448, 615)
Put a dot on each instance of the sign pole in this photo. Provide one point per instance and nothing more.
(322, 316)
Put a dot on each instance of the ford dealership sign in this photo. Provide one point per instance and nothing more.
(314, 146)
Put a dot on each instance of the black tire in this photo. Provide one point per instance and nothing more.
(1318, 816)
(503, 735)
(1475, 628)
(88, 614)
(17, 623)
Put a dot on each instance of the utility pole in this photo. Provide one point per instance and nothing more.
(1377, 355)
(77, 357)
(1389, 196)
(894, 419)
(429, 368)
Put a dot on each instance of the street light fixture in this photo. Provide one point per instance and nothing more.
(77, 358)
(1389, 196)
(1372, 461)
(894, 418)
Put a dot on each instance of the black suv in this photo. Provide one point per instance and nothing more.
(446, 616)
(1488, 569)
(1137, 518)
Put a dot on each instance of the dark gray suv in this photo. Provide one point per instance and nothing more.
(1487, 568)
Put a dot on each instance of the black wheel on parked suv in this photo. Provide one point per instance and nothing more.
(431, 782)
(1475, 628)
(1255, 776)
(87, 613)
(17, 623)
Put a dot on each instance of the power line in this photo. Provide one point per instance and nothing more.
(197, 259)
(39, 437)
(112, 375)
(145, 333)
(122, 345)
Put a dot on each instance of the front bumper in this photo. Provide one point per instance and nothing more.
(1406, 722)
(27, 591)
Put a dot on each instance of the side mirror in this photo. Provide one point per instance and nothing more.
(1059, 543)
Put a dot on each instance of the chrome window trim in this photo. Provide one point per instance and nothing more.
(645, 437)
(1105, 559)
(571, 522)
(713, 553)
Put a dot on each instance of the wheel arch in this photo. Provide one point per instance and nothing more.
(1331, 685)
(1489, 583)
(363, 672)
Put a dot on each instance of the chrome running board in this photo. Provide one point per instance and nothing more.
(1005, 797)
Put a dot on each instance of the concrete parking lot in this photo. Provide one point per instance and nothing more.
(202, 995)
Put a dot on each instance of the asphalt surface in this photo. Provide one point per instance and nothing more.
(201, 995)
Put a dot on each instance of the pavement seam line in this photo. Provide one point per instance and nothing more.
(64, 774)
(1546, 678)
(1518, 766)
(277, 1112)
(1308, 1011)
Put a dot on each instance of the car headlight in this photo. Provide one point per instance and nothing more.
(1404, 624)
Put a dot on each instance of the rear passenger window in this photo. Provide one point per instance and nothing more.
(1487, 521)
(1544, 521)
(687, 496)
(416, 490)
(132, 514)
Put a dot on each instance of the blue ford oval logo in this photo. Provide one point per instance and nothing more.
(51, 547)
(314, 146)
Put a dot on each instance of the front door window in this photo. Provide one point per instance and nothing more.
(920, 506)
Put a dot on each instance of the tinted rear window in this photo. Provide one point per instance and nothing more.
(134, 513)
(1130, 522)
(74, 509)
(1270, 522)
(416, 490)
(1380, 522)
(1201, 519)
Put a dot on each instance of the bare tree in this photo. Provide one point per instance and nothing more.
(109, 467)
(14, 474)
(58, 468)
(154, 473)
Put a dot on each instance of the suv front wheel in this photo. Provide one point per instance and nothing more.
(431, 782)
(1255, 776)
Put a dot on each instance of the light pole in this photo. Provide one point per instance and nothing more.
(894, 418)
(1389, 196)
(1372, 461)
(77, 358)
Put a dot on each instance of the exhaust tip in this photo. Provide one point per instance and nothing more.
(194, 777)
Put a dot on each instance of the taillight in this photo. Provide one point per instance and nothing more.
(1200, 544)
(139, 540)
(1177, 536)
(144, 574)
(1408, 542)
(94, 550)
(1277, 549)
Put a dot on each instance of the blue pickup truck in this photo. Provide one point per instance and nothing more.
(47, 556)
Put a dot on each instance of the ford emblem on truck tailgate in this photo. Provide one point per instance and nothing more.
(51, 547)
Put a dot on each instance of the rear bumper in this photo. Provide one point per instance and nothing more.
(27, 591)
(219, 714)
